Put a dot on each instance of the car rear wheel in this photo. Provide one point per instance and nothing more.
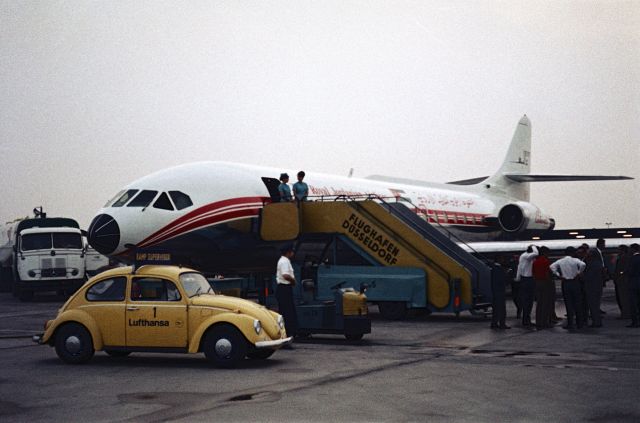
(260, 353)
(225, 346)
(74, 344)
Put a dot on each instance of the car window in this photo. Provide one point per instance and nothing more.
(195, 284)
(107, 290)
(143, 199)
(124, 198)
(154, 289)
(180, 199)
(163, 202)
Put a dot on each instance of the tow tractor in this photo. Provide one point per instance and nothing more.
(347, 314)
(321, 309)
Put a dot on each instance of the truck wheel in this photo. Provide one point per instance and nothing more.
(117, 353)
(353, 336)
(6, 279)
(15, 290)
(25, 295)
(260, 353)
(74, 344)
(224, 346)
(393, 310)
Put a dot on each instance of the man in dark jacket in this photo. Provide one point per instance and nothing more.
(593, 285)
(499, 309)
(634, 282)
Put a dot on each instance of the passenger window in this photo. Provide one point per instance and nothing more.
(154, 289)
(124, 198)
(163, 202)
(143, 199)
(180, 199)
(107, 290)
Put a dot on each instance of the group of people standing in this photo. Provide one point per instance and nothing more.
(300, 188)
(583, 273)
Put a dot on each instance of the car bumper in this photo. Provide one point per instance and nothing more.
(275, 343)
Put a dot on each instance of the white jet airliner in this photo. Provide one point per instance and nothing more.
(197, 210)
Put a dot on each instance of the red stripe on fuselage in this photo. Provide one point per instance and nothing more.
(167, 231)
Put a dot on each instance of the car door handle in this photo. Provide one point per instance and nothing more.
(132, 308)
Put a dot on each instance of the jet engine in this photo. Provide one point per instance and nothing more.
(520, 216)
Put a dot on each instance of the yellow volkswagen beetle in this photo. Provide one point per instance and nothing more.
(161, 309)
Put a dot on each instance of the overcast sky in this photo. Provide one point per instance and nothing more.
(96, 94)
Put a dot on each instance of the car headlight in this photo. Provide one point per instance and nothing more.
(257, 326)
(281, 322)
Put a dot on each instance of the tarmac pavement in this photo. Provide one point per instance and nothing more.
(429, 368)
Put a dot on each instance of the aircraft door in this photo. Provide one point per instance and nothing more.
(272, 185)
(156, 314)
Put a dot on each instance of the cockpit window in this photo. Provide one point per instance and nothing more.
(115, 197)
(180, 199)
(163, 202)
(124, 198)
(143, 199)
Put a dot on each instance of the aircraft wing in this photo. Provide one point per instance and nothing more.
(557, 246)
(558, 178)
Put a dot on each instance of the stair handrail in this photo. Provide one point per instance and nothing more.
(398, 199)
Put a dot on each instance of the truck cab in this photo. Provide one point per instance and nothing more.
(42, 254)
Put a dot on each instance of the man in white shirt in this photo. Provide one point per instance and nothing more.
(286, 280)
(527, 286)
(567, 269)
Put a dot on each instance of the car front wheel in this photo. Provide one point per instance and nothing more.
(225, 346)
(74, 344)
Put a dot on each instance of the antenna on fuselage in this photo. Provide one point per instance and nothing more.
(350, 173)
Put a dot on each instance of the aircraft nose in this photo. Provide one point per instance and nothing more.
(104, 234)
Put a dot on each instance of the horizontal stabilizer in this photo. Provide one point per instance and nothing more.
(472, 181)
(559, 178)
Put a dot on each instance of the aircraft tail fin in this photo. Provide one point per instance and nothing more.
(513, 177)
(516, 162)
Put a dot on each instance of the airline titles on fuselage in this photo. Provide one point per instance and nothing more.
(314, 190)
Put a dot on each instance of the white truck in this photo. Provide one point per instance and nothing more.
(42, 254)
